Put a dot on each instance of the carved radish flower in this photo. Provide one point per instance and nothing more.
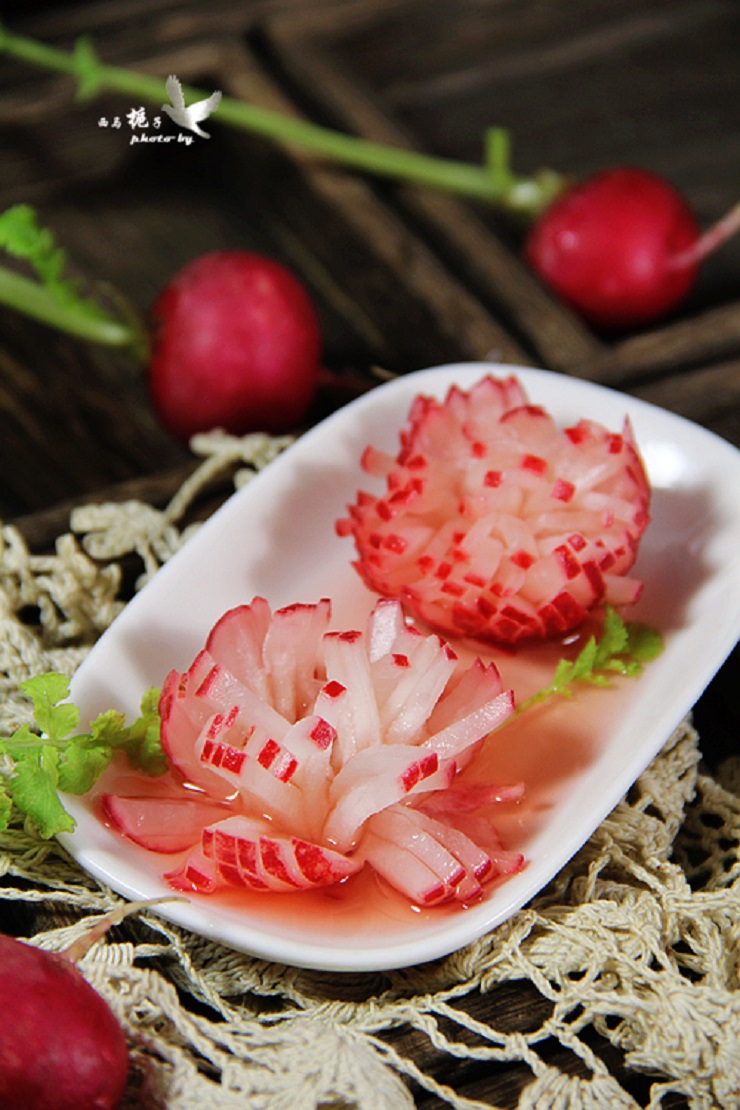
(302, 754)
(495, 524)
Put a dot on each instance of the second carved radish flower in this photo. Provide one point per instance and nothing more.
(496, 525)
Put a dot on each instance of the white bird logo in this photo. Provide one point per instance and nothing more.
(189, 118)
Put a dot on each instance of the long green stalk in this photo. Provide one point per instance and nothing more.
(35, 300)
(492, 182)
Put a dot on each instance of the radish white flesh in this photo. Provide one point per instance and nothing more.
(299, 738)
(403, 870)
(236, 641)
(373, 780)
(399, 824)
(289, 654)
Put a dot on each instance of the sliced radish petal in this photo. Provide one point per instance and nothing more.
(182, 718)
(416, 693)
(290, 651)
(248, 852)
(466, 692)
(263, 790)
(403, 870)
(404, 828)
(384, 624)
(237, 640)
(221, 690)
(161, 824)
(347, 662)
(485, 835)
(454, 739)
(196, 875)
(459, 863)
(371, 781)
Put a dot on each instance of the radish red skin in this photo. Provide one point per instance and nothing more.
(61, 1046)
(609, 248)
(236, 345)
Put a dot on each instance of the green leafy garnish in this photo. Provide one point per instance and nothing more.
(35, 766)
(622, 649)
(22, 237)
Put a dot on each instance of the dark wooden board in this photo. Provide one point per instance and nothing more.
(140, 213)
(580, 86)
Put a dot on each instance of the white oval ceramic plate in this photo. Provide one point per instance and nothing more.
(276, 538)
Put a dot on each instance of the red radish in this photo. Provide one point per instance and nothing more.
(236, 345)
(497, 526)
(298, 737)
(623, 247)
(61, 1046)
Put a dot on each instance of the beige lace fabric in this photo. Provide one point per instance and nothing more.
(634, 948)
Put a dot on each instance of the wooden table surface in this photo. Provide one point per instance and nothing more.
(403, 277)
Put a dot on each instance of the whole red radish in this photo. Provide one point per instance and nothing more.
(623, 247)
(61, 1047)
(606, 247)
(236, 345)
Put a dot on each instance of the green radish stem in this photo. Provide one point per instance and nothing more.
(492, 182)
(27, 296)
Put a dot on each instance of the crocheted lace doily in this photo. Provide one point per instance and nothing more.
(634, 947)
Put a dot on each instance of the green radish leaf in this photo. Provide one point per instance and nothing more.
(36, 766)
(22, 237)
(644, 643)
(6, 805)
(46, 691)
(33, 787)
(621, 649)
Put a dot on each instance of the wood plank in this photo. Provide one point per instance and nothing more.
(709, 395)
(695, 340)
(455, 228)
(169, 21)
(466, 325)
(580, 85)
